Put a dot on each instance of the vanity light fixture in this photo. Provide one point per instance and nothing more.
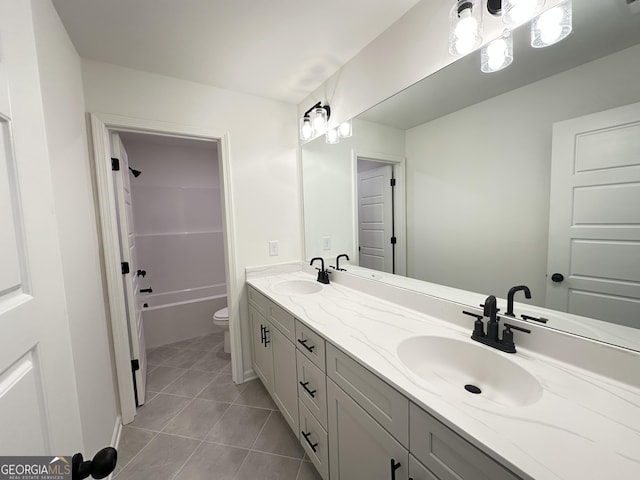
(497, 54)
(314, 121)
(552, 26)
(345, 129)
(332, 136)
(465, 26)
(517, 12)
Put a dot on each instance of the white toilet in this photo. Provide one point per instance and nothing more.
(221, 319)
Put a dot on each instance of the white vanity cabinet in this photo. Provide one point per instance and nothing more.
(274, 354)
(351, 423)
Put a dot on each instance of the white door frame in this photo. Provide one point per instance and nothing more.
(400, 204)
(100, 124)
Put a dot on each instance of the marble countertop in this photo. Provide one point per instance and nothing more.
(584, 426)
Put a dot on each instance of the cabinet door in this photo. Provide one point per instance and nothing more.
(285, 385)
(261, 349)
(359, 448)
(417, 471)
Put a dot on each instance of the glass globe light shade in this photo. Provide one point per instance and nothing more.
(332, 136)
(552, 26)
(497, 54)
(319, 120)
(517, 12)
(306, 129)
(465, 27)
(345, 129)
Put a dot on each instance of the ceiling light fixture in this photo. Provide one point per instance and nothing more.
(465, 26)
(314, 121)
(552, 26)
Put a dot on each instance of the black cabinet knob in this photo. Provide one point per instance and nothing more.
(557, 277)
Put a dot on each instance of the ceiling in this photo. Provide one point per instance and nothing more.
(279, 49)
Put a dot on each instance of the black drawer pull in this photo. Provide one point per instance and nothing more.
(262, 336)
(304, 344)
(310, 392)
(266, 340)
(394, 466)
(306, 437)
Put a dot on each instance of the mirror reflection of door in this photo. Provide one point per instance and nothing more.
(375, 216)
(594, 225)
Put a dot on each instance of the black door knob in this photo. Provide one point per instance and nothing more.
(557, 277)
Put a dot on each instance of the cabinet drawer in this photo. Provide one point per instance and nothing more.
(379, 400)
(312, 388)
(417, 471)
(283, 320)
(311, 344)
(258, 301)
(314, 441)
(448, 455)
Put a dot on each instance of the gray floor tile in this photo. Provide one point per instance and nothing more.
(277, 437)
(268, 467)
(308, 472)
(160, 377)
(132, 440)
(255, 395)
(182, 343)
(190, 383)
(156, 413)
(222, 389)
(207, 343)
(184, 359)
(157, 356)
(161, 458)
(213, 461)
(239, 426)
(197, 418)
(213, 361)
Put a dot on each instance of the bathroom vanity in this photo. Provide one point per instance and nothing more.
(371, 378)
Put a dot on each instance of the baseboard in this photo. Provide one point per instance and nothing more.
(249, 375)
(115, 438)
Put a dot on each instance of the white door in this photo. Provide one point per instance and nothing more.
(122, 187)
(39, 412)
(375, 218)
(594, 224)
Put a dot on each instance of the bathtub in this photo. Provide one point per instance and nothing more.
(170, 317)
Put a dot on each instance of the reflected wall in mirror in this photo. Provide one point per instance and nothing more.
(502, 168)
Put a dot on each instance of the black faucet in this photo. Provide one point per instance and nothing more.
(512, 292)
(492, 338)
(323, 275)
(337, 267)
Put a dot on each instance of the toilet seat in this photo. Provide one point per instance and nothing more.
(221, 315)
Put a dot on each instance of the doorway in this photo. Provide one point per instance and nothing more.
(101, 127)
(379, 201)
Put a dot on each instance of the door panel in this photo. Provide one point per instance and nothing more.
(594, 221)
(375, 218)
(39, 411)
(122, 186)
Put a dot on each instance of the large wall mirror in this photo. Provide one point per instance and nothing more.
(502, 179)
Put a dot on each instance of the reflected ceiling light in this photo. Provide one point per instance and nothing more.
(497, 54)
(465, 26)
(345, 129)
(552, 26)
(314, 121)
(517, 12)
(332, 136)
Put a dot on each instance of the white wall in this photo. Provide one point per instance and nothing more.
(329, 185)
(263, 142)
(63, 101)
(478, 203)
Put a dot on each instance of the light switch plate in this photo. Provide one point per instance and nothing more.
(273, 248)
(326, 243)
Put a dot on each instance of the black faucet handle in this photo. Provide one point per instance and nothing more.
(471, 314)
(482, 305)
(534, 319)
(508, 326)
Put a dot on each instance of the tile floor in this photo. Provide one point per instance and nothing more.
(197, 424)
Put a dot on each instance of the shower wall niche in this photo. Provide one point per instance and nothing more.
(179, 234)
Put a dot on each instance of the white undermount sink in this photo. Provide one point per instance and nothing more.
(455, 367)
(297, 287)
